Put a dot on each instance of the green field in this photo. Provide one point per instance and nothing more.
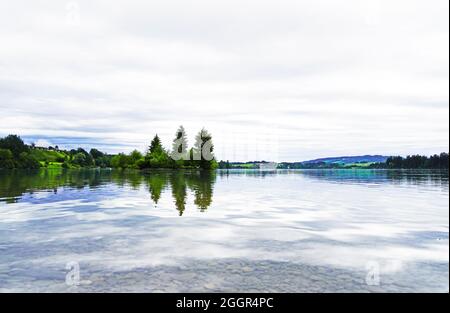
(51, 165)
(48, 155)
(49, 158)
(358, 165)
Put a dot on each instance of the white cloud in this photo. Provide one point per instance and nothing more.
(328, 77)
(43, 143)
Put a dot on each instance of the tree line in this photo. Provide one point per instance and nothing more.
(14, 153)
(418, 162)
(437, 161)
(199, 156)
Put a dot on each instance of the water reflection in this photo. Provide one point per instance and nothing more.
(269, 231)
(15, 184)
(380, 176)
(359, 176)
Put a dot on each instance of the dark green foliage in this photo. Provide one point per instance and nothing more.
(27, 161)
(142, 164)
(100, 159)
(14, 144)
(15, 154)
(82, 158)
(96, 154)
(418, 162)
(157, 156)
(394, 162)
(159, 160)
(6, 159)
(156, 184)
(156, 146)
(120, 161)
(179, 191)
(203, 189)
(104, 161)
(198, 183)
(135, 156)
(180, 157)
(79, 159)
(60, 159)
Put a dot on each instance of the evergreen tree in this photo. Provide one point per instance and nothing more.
(179, 191)
(157, 156)
(156, 146)
(203, 150)
(180, 145)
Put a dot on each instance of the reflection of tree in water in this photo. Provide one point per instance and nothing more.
(15, 184)
(127, 177)
(179, 190)
(157, 182)
(412, 177)
(201, 183)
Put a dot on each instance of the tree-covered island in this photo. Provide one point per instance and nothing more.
(14, 153)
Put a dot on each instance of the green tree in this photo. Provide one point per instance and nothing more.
(6, 159)
(203, 151)
(134, 158)
(157, 156)
(96, 154)
(180, 145)
(202, 185)
(155, 146)
(100, 159)
(135, 155)
(14, 144)
(120, 161)
(79, 159)
(87, 160)
(157, 182)
(179, 191)
(28, 161)
(418, 162)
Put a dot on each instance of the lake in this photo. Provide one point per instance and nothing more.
(224, 231)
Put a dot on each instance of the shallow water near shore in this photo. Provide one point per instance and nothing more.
(224, 231)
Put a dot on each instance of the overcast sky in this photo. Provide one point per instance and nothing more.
(275, 80)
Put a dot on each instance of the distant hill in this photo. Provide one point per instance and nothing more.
(364, 161)
(349, 160)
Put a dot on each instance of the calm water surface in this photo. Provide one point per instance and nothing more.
(235, 231)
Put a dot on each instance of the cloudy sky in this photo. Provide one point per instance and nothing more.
(279, 80)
